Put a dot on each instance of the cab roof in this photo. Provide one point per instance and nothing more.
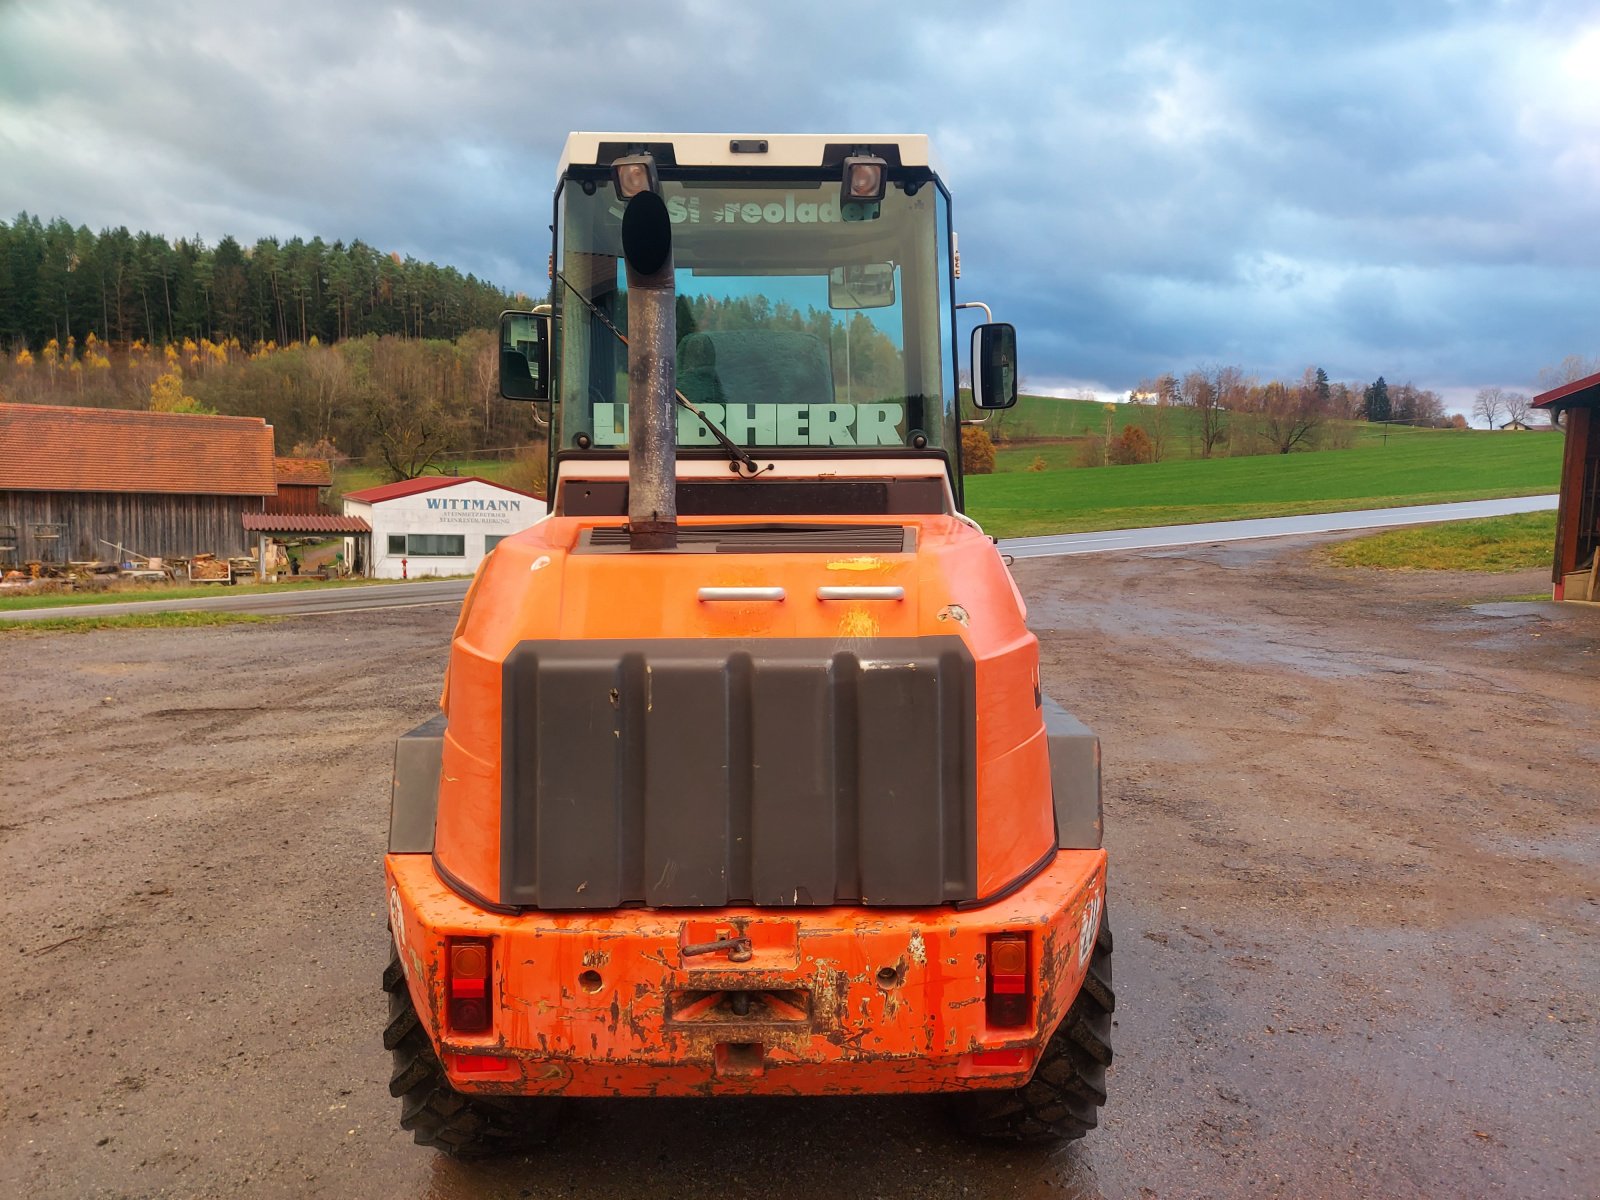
(807, 150)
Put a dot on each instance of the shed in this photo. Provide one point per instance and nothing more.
(437, 524)
(301, 483)
(1576, 573)
(79, 484)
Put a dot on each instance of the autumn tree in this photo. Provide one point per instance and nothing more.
(1291, 416)
(977, 451)
(167, 396)
(1130, 447)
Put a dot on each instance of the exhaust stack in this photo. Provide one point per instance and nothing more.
(652, 374)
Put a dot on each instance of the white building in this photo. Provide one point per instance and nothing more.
(437, 524)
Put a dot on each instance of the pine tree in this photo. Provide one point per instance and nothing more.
(1375, 401)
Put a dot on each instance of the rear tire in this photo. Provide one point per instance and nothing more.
(1062, 1100)
(435, 1113)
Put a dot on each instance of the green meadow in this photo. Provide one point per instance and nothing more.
(1411, 467)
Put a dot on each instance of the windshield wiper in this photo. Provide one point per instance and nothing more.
(739, 457)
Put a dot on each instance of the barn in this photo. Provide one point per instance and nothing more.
(1576, 574)
(86, 484)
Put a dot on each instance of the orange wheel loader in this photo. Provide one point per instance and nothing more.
(744, 781)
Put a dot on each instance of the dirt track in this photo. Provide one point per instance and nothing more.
(1355, 830)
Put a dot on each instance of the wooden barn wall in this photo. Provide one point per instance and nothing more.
(144, 523)
(295, 498)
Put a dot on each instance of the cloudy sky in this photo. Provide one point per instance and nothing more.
(1409, 188)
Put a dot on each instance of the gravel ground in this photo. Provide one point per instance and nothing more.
(1355, 837)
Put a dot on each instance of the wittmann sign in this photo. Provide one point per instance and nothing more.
(475, 510)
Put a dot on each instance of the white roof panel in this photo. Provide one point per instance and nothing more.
(783, 149)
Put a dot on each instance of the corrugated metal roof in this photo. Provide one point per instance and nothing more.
(1569, 394)
(424, 483)
(57, 448)
(303, 523)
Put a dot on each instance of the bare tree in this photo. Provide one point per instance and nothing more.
(327, 377)
(1490, 403)
(1518, 407)
(1569, 370)
(1212, 392)
(1414, 405)
(1158, 395)
(412, 412)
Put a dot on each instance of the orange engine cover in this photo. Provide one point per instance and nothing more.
(833, 650)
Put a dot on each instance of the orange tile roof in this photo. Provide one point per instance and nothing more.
(56, 448)
(303, 471)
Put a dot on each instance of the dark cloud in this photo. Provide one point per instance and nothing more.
(1401, 189)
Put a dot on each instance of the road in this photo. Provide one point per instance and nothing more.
(452, 591)
(1355, 847)
(1058, 545)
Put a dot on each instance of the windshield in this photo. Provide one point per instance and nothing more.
(799, 324)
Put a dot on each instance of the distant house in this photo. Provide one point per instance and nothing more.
(85, 484)
(436, 525)
(1515, 424)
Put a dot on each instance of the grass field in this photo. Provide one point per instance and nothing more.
(1378, 468)
(163, 620)
(156, 591)
(1416, 467)
(1062, 450)
(1511, 543)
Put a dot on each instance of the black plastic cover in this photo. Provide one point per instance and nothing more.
(709, 772)
(746, 538)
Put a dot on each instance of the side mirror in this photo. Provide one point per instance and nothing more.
(525, 356)
(994, 366)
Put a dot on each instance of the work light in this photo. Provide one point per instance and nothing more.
(865, 176)
(633, 174)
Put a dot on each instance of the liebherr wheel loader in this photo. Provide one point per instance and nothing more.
(744, 781)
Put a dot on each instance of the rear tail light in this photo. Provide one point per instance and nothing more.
(480, 1064)
(1007, 999)
(467, 1003)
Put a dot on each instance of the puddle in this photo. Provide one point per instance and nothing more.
(1232, 641)
(1581, 849)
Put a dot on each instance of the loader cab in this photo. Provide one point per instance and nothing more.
(810, 324)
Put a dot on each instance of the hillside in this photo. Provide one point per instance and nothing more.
(1414, 467)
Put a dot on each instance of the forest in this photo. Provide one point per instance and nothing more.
(349, 353)
(60, 282)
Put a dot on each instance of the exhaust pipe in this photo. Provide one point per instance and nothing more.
(652, 374)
